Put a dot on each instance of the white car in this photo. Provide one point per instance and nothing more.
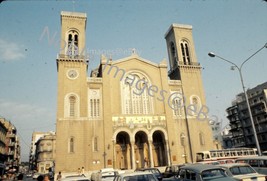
(242, 172)
(75, 178)
(35, 175)
(144, 176)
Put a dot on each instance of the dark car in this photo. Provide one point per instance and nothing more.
(154, 171)
(201, 172)
(172, 170)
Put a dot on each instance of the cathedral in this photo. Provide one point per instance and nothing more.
(129, 113)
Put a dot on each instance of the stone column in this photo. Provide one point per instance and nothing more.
(133, 155)
(151, 160)
(168, 152)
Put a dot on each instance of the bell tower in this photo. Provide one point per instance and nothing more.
(183, 62)
(185, 68)
(72, 93)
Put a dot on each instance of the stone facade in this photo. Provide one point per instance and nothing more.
(45, 153)
(12, 145)
(128, 113)
(33, 157)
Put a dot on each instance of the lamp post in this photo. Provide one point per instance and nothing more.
(114, 142)
(183, 143)
(239, 68)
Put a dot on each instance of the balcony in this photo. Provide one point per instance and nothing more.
(72, 58)
(11, 135)
(11, 153)
(44, 150)
(11, 144)
(196, 64)
(94, 80)
(175, 82)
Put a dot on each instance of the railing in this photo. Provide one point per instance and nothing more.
(10, 153)
(175, 82)
(189, 63)
(75, 57)
(11, 135)
(181, 63)
(11, 144)
(94, 79)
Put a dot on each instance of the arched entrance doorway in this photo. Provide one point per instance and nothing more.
(141, 149)
(159, 151)
(122, 151)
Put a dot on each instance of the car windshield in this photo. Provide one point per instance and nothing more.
(215, 173)
(153, 170)
(140, 178)
(241, 170)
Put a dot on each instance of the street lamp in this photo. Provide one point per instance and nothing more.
(113, 143)
(183, 144)
(239, 68)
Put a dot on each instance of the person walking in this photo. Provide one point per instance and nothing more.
(59, 176)
(82, 171)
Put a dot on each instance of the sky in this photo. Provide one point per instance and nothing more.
(28, 75)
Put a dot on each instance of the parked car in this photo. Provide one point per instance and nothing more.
(104, 174)
(201, 172)
(242, 172)
(209, 162)
(107, 175)
(259, 163)
(75, 178)
(171, 170)
(36, 175)
(154, 171)
(136, 176)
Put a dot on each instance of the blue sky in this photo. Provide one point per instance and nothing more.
(28, 76)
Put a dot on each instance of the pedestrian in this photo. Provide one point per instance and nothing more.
(146, 162)
(82, 171)
(59, 176)
(79, 171)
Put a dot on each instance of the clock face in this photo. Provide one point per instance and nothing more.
(72, 74)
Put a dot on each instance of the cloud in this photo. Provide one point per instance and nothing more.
(27, 118)
(10, 51)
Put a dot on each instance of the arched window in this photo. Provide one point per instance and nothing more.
(73, 48)
(76, 40)
(177, 103)
(174, 57)
(135, 97)
(71, 145)
(71, 106)
(201, 139)
(185, 52)
(196, 104)
(72, 101)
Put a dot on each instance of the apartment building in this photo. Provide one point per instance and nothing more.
(238, 115)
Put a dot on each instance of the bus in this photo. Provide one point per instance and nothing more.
(225, 154)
